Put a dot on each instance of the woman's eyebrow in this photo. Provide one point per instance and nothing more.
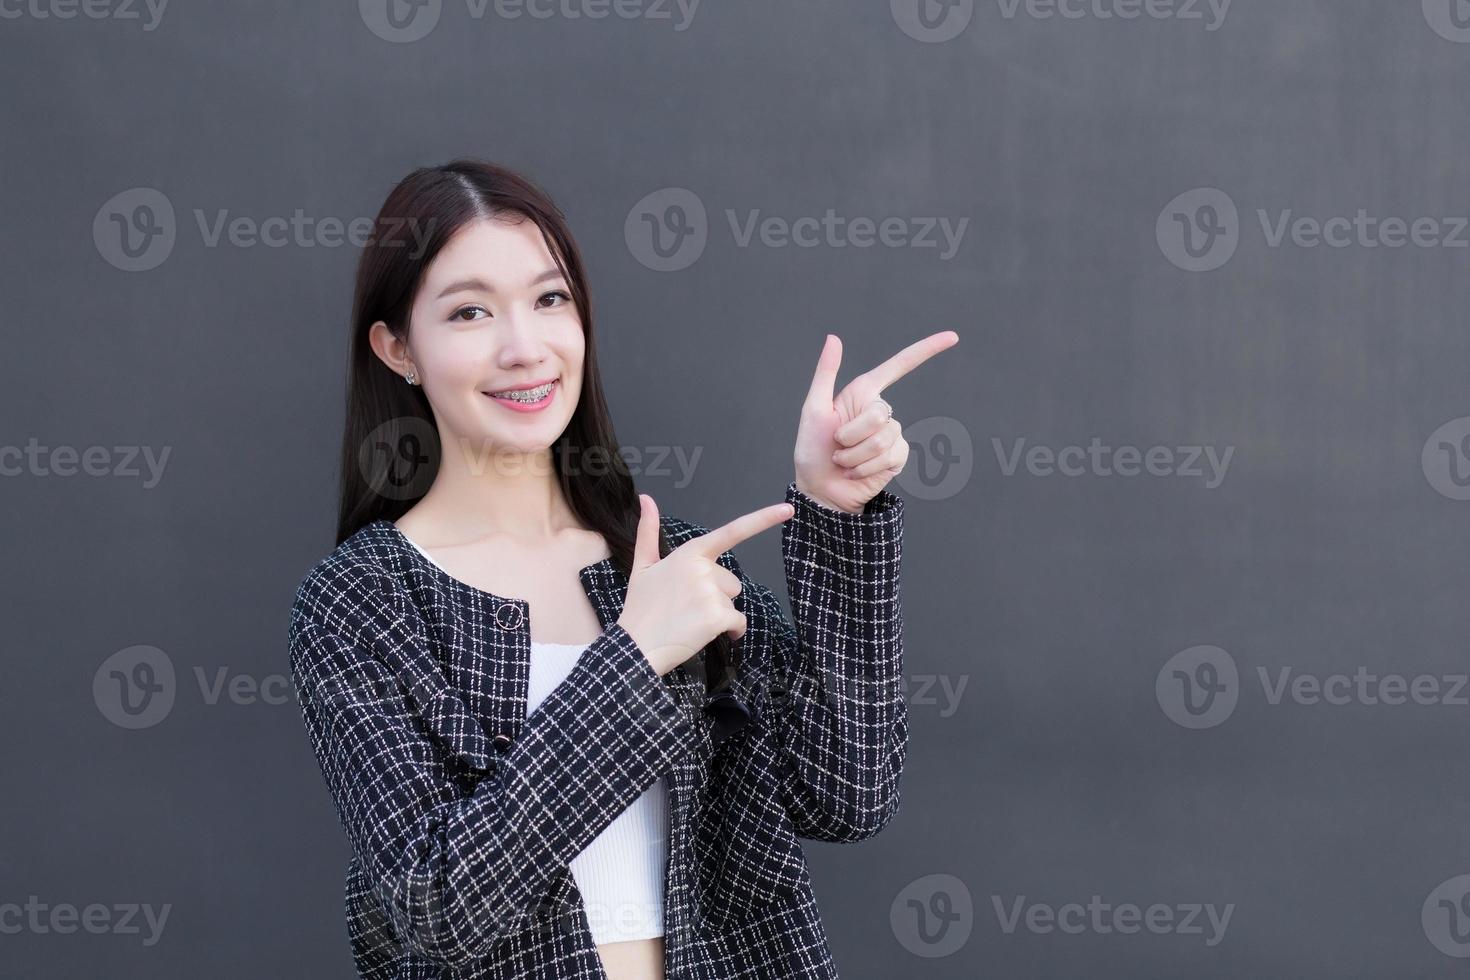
(474, 282)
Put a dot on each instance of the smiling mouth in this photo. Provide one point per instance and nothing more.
(526, 396)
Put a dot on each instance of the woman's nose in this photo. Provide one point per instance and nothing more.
(520, 342)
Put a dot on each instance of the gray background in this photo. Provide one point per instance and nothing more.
(1057, 600)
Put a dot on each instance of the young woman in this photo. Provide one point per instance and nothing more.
(567, 736)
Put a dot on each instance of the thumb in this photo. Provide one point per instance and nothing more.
(645, 546)
(824, 378)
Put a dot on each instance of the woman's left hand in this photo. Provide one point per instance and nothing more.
(849, 446)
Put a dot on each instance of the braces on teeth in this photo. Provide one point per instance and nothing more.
(530, 395)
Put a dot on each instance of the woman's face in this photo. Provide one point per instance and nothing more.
(492, 314)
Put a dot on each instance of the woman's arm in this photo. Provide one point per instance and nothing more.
(837, 704)
(455, 872)
(842, 720)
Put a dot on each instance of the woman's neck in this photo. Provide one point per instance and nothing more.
(510, 496)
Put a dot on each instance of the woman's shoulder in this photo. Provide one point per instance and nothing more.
(354, 583)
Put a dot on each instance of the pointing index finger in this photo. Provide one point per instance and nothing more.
(727, 536)
(909, 358)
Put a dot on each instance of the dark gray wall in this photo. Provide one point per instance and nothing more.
(1059, 626)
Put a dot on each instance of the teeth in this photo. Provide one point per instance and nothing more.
(527, 395)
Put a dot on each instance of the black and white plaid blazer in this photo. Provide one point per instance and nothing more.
(463, 813)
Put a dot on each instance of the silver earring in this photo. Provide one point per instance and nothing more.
(410, 378)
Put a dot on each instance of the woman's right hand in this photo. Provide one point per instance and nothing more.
(677, 604)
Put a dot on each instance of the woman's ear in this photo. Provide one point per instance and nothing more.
(390, 350)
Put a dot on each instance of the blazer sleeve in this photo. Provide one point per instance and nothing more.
(457, 870)
(837, 702)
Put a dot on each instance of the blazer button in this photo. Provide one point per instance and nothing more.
(508, 617)
(502, 741)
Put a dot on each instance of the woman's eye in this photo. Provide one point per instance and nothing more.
(460, 314)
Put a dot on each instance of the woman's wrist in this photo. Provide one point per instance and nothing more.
(826, 503)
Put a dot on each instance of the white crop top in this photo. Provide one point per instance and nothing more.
(621, 872)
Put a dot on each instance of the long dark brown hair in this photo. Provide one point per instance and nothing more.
(390, 444)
